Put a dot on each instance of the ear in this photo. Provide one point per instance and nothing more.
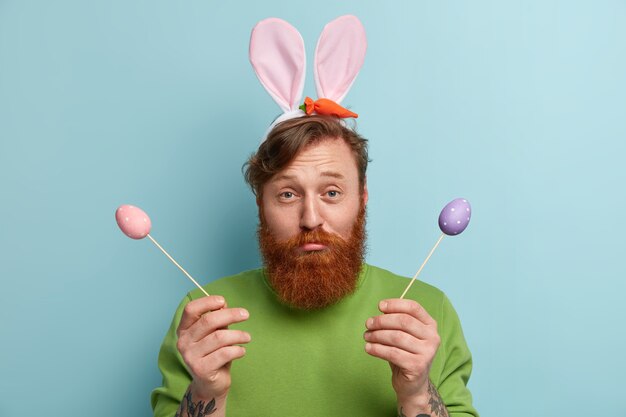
(259, 205)
(279, 61)
(339, 55)
(365, 194)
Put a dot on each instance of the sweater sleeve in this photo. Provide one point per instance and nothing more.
(166, 399)
(457, 366)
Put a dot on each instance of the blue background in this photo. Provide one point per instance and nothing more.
(518, 106)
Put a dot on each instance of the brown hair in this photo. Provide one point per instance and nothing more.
(287, 139)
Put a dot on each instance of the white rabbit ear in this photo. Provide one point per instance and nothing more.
(279, 61)
(339, 56)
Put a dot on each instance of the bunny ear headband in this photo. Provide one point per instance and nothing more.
(279, 61)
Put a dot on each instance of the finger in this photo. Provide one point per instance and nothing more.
(196, 308)
(403, 322)
(222, 356)
(217, 340)
(395, 338)
(398, 357)
(214, 320)
(415, 309)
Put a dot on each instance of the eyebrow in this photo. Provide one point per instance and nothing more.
(331, 174)
(284, 177)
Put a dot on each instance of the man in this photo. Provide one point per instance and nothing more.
(317, 343)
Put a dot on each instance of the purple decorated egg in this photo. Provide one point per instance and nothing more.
(455, 216)
(133, 221)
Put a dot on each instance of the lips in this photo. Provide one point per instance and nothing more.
(312, 246)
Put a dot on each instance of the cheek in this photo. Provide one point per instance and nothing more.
(343, 220)
(282, 224)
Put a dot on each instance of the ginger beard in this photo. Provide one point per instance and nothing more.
(315, 279)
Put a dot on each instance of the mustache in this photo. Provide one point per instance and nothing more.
(315, 236)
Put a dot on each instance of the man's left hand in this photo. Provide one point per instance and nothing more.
(405, 336)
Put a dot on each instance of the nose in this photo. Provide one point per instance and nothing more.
(310, 217)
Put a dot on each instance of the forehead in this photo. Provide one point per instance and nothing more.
(328, 158)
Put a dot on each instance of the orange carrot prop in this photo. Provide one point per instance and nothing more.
(326, 107)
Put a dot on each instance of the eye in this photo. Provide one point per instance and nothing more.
(286, 195)
(332, 193)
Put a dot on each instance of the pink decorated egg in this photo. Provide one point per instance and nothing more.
(133, 221)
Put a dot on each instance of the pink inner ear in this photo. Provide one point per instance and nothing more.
(279, 61)
(339, 56)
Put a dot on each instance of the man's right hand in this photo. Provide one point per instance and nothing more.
(208, 346)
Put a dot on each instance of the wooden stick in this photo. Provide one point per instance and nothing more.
(421, 267)
(176, 263)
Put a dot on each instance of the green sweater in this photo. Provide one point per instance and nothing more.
(314, 363)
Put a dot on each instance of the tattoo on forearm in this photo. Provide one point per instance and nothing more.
(435, 402)
(199, 409)
(401, 414)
